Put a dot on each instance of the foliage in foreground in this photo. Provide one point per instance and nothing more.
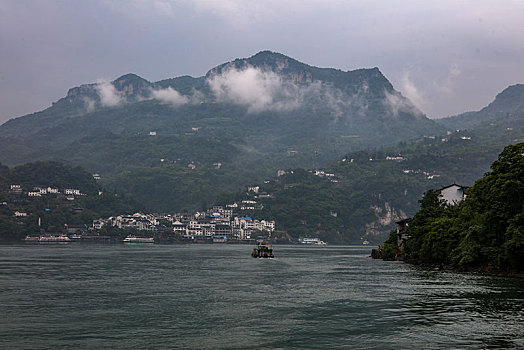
(484, 230)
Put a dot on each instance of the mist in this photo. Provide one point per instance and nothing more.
(108, 94)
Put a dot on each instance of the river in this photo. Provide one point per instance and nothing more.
(79, 296)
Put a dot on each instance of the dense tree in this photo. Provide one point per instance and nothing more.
(484, 230)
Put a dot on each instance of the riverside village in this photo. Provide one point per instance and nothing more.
(219, 224)
(231, 223)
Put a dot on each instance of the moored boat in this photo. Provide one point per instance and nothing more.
(48, 238)
(134, 239)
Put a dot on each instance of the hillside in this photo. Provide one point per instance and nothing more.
(55, 194)
(361, 196)
(508, 107)
(178, 143)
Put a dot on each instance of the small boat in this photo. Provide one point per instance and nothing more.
(262, 250)
(134, 239)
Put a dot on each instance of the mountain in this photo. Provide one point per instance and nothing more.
(508, 108)
(178, 143)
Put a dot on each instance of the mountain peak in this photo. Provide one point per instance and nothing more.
(265, 60)
(512, 92)
(509, 100)
(269, 56)
(131, 84)
(130, 78)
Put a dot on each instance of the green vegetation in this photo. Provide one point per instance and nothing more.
(484, 231)
(389, 250)
(54, 210)
(368, 193)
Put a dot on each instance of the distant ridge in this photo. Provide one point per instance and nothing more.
(507, 104)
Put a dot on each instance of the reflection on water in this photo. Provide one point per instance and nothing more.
(217, 296)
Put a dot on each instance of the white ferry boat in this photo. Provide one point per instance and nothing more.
(311, 240)
(48, 238)
(134, 239)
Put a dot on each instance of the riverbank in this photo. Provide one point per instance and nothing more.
(478, 270)
(488, 270)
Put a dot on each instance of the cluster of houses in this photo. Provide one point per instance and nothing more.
(39, 192)
(427, 174)
(69, 193)
(217, 223)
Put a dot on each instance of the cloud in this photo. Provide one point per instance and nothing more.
(410, 90)
(109, 95)
(396, 103)
(249, 87)
(89, 104)
(170, 96)
(264, 90)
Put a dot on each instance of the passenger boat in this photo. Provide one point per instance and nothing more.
(262, 250)
(311, 240)
(48, 238)
(134, 239)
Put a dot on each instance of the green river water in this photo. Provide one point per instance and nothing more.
(79, 296)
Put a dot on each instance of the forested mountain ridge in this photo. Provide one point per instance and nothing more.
(179, 142)
(508, 106)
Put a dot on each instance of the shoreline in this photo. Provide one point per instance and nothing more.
(479, 270)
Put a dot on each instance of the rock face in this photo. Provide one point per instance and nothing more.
(386, 216)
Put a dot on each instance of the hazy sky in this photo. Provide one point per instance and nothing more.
(448, 57)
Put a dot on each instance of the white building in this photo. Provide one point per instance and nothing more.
(74, 191)
(98, 224)
(253, 189)
(180, 228)
(137, 221)
(453, 194)
(397, 158)
(52, 190)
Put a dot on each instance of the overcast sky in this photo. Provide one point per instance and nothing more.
(448, 57)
